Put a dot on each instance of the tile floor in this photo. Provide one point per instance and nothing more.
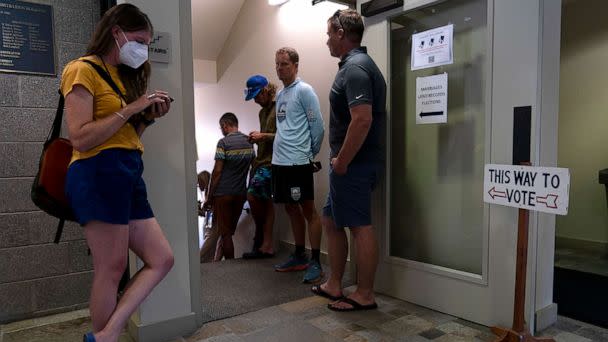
(309, 320)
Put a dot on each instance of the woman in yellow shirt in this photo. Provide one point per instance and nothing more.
(104, 182)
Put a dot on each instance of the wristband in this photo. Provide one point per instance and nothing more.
(120, 116)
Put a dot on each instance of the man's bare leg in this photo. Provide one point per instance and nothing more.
(366, 246)
(267, 244)
(314, 223)
(337, 249)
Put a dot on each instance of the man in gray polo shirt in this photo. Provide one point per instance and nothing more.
(228, 190)
(358, 110)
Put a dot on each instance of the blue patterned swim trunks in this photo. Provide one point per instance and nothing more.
(260, 183)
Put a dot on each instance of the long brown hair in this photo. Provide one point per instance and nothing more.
(129, 18)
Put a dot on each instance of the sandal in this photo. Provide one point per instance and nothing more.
(316, 289)
(355, 306)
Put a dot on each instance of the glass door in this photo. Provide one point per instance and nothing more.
(442, 247)
(436, 198)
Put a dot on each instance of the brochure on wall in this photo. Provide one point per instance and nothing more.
(432, 48)
(432, 99)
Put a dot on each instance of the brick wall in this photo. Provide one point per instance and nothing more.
(38, 277)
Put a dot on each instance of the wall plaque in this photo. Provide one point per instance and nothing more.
(26, 38)
(160, 47)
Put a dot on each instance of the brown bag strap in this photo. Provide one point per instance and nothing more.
(59, 230)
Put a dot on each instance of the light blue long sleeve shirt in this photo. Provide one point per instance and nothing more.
(299, 125)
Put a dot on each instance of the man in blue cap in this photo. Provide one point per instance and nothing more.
(259, 194)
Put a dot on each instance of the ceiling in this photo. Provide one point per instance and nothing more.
(212, 21)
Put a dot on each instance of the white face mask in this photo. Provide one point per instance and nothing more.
(132, 53)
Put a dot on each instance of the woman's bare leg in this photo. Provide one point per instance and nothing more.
(148, 242)
(109, 245)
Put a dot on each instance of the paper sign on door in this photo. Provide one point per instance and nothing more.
(432, 99)
(432, 48)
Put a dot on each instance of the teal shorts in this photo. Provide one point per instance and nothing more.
(260, 183)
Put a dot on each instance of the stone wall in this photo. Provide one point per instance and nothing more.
(38, 277)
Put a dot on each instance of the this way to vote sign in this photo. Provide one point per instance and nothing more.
(534, 188)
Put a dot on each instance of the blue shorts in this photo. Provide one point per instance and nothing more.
(260, 185)
(349, 200)
(108, 188)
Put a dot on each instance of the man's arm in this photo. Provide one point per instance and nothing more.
(315, 120)
(215, 179)
(256, 137)
(268, 137)
(361, 121)
(271, 128)
(359, 95)
(220, 156)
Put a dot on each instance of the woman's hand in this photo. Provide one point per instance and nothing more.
(158, 108)
(201, 210)
(208, 205)
(155, 101)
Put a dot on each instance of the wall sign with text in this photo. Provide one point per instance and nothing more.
(543, 189)
(432, 99)
(160, 47)
(432, 48)
(26, 38)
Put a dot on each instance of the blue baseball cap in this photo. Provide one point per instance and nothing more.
(255, 84)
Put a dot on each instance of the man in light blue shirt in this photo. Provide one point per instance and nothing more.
(297, 141)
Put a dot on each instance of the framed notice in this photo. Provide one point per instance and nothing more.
(26, 38)
(432, 48)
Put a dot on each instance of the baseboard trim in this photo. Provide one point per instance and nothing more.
(545, 317)
(163, 331)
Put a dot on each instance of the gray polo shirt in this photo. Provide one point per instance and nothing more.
(358, 81)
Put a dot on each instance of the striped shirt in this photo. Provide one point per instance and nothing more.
(236, 152)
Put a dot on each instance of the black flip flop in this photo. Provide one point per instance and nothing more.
(316, 289)
(355, 306)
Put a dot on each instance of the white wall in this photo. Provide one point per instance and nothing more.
(205, 71)
(169, 158)
(259, 31)
(583, 120)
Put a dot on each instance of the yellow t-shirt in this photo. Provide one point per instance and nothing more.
(105, 103)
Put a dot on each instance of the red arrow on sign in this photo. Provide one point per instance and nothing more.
(550, 201)
(493, 193)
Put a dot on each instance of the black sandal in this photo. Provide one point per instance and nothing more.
(355, 306)
(316, 289)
